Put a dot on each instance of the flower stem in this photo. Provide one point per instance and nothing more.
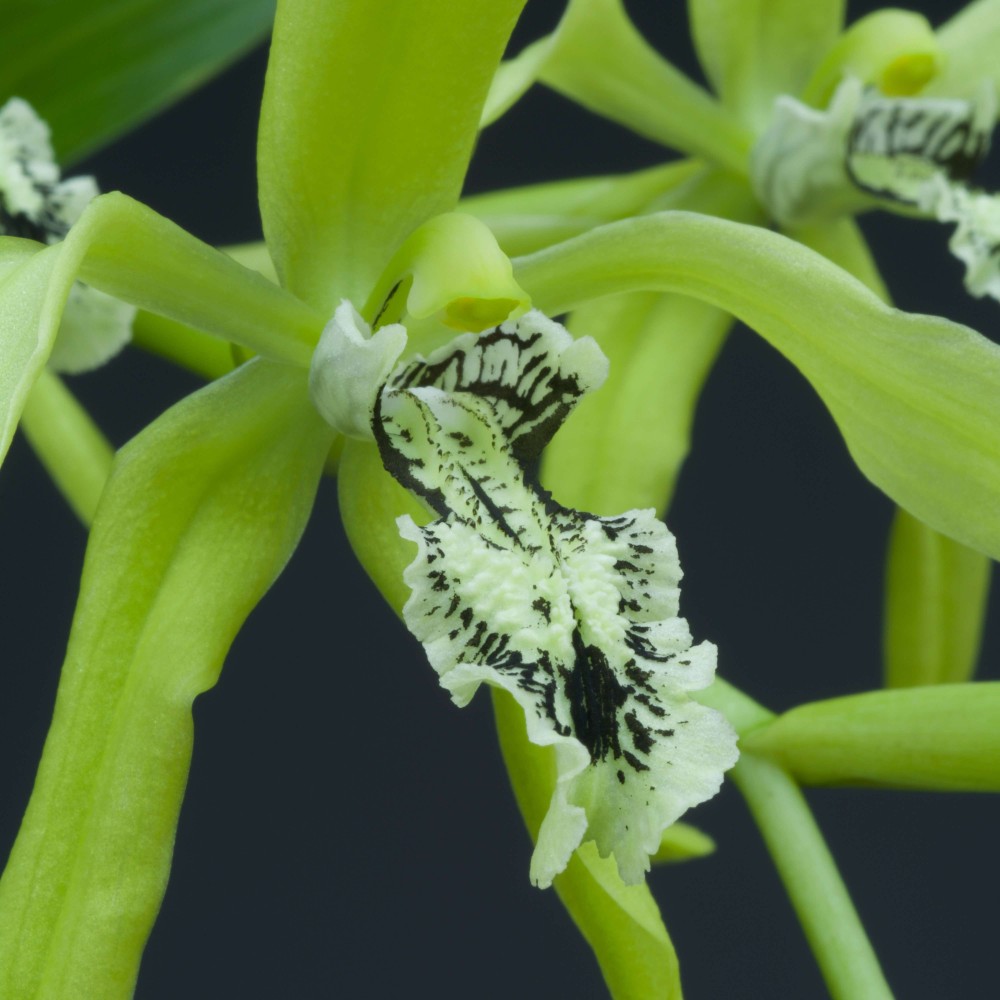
(68, 443)
(814, 885)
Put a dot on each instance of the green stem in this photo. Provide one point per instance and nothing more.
(817, 892)
(68, 443)
(199, 352)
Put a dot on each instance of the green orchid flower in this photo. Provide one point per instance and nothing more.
(810, 123)
(572, 615)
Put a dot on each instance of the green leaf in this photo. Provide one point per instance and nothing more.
(369, 117)
(945, 737)
(126, 59)
(914, 396)
(525, 219)
(621, 923)
(601, 61)
(201, 513)
(754, 50)
(936, 591)
(68, 443)
(969, 44)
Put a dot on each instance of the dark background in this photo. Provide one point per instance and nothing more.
(299, 873)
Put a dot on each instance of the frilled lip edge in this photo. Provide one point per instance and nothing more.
(576, 616)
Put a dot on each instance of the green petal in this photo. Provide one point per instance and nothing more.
(601, 61)
(621, 923)
(127, 59)
(525, 219)
(68, 443)
(936, 591)
(754, 50)
(370, 112)
(936, 588)
(201, 513)
(514, 77)
(915, 396)
(969, 43)
(683, 842)
(945, 737)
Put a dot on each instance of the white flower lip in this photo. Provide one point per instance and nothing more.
(575, 616)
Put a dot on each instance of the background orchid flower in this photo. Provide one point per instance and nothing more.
(750, 162)
(370, 518)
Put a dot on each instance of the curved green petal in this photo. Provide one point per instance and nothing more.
(969, 43)
(935, 588)
(370, 113)
(201, 513)
(68, 443)
(601, 61)
(127, 59)
(915, 396)
(754, 50)
(935, 606)
(514, 77)
(945, 737)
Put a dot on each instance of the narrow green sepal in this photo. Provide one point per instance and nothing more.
(936, 593)
(200, 515)
(944, 737)
(683, 842)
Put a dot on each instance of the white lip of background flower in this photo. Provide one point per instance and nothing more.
(576, 616)
(867, 150)
(37, 204)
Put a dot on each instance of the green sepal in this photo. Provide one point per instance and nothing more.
(68, 443)
(683, 842)
(370, 112)
(621, 923)
(914, 396)
(944, 737)
(93, 71)
(969, 43)
(936, 593)
(754, 50)
(935, 587)
(526, 219)
(200, 515)
(600, 60)
(896, 50)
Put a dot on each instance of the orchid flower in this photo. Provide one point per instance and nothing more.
(606, 712)
(810, 123)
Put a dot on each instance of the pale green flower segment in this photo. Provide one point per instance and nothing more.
(528, 560)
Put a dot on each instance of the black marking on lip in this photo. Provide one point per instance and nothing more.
(595, 695)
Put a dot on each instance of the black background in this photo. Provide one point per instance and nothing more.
(315, 861)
